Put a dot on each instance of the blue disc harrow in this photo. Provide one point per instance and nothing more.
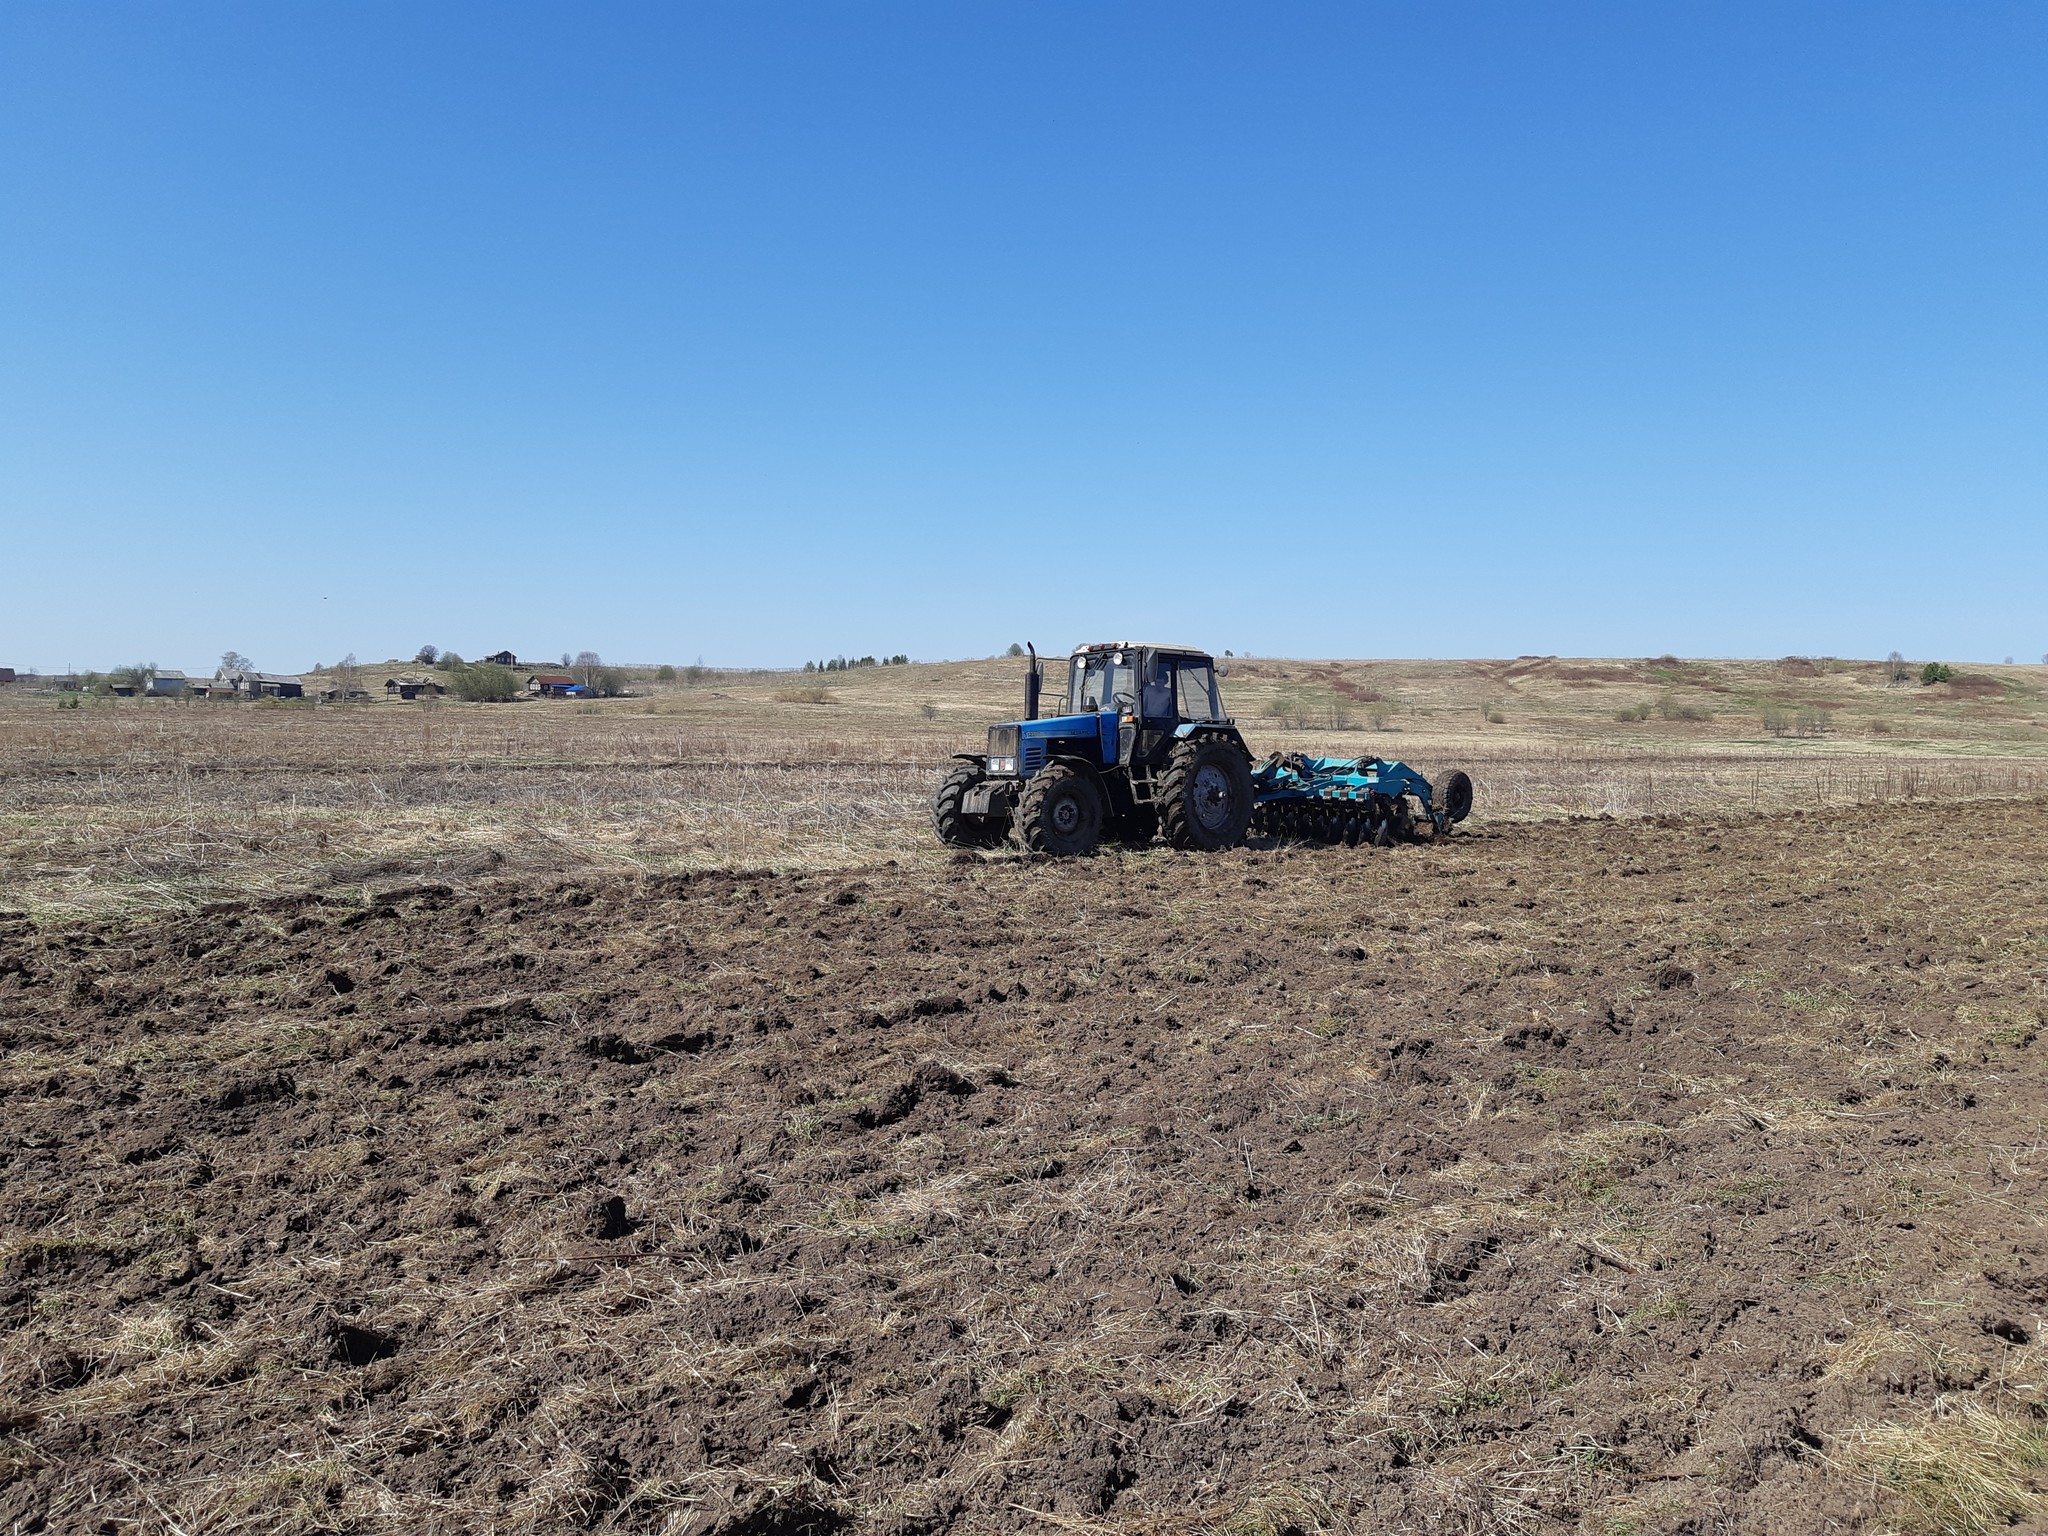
(1352, 800)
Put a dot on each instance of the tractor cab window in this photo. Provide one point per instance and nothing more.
(1195, 691)
(1102, 680)
(1158, 699)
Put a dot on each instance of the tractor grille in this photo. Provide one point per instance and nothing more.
(1034, 757)
(1002, 750)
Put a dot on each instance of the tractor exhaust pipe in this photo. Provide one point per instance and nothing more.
(1031, 684)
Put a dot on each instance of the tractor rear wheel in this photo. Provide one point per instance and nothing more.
(955, 827)
(1060, 812)
(1457, 796)
(1205, 796)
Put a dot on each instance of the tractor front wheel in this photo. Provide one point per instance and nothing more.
(1205, 796)
(1060, 812)
(957, 829)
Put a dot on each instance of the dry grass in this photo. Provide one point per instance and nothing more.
(1960, 1470)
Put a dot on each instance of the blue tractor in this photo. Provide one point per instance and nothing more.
(1140, 748)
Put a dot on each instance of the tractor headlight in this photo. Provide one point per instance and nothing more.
(1002, 765)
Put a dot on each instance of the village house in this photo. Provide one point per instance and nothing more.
(502, 659)
(553, 685)
(413, 687)
(168, 685)
(270, 685)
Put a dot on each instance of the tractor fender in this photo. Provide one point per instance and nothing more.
(1210, 730)
(979, 759)
(1074, 760)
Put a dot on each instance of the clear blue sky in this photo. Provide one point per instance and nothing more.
(765, 331)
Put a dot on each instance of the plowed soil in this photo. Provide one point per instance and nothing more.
(1675, 1176)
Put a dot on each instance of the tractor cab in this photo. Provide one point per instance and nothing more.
(1152, 685)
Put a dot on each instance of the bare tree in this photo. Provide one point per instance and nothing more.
(1896, 670)
(587, 667)
(232, 662)
(427, 655)
(348, 675)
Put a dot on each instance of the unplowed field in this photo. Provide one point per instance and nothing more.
(1573, 1176)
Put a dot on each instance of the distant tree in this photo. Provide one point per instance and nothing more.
(1936, 672)
(1896, 669)
(137, 676)
(565, 658)
(348, 676)
(232, 662)
(899, 660)
(426, 655)
(448, 661)
(664, 673)
(586, 667)
(610, 683)
(1015, 649)
(810, 666)
(484, 683)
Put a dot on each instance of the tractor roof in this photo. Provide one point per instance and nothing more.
(1141, 645)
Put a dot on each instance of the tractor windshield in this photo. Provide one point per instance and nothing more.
(1103, 680)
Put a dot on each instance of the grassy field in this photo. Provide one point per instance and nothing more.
(127, 804)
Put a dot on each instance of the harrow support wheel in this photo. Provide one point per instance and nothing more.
(1457, 796)
(1061, 811)
(956, 829)
(1205, 796)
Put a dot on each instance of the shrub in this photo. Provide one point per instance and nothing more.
(803, 696)
(664, 673)
(1897, 669)
(1777, 721)
(929, 710)
(1636, 711)
(1880, 727)
(1811, 722)
(1936, 672)
(484, 683)
(1669, 707)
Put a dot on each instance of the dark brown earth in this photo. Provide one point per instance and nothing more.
(1606, 1177)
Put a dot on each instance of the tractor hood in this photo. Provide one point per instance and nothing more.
(1022, 747)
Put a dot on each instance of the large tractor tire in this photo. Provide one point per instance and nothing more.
(955, 827)
(1456, 796)
(1060, 812)
(1205, 796)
